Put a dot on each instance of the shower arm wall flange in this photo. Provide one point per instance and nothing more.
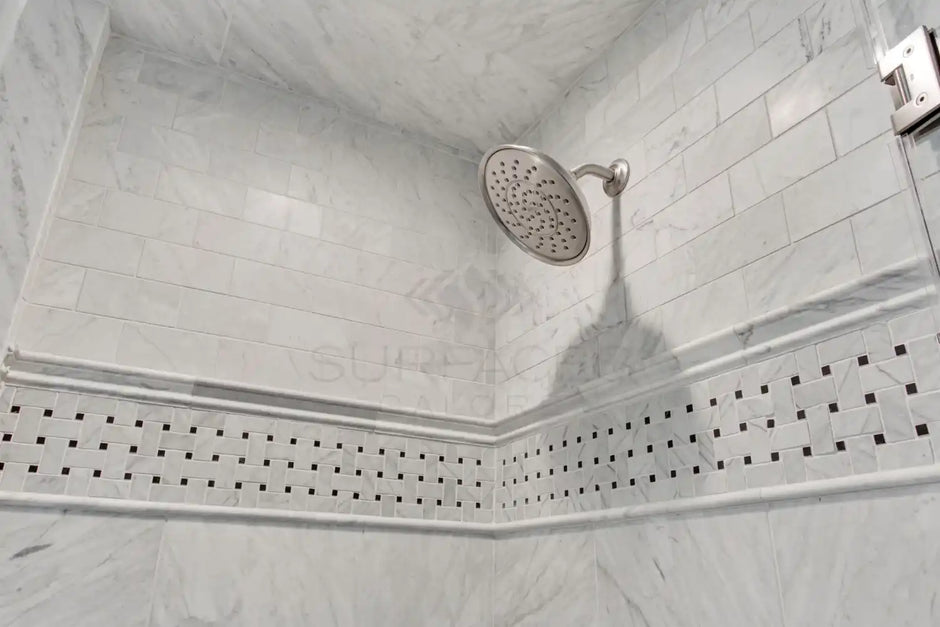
(615, 177)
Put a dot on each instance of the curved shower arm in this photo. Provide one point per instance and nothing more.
(615, 177)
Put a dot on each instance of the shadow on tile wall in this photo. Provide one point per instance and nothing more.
(620, 342)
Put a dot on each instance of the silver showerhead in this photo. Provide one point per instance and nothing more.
(538, 203)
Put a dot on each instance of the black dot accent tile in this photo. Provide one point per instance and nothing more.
(629, 454)
(807, 451)
(184, 481)
(188, 456)
(356, 496)
(863, 360)
(577, 440)
(747, 460)
(109, 420)
(593, 437)
(652, 478)
(632, 483)
(667, 415)
(215, 457)
(103, 446)
(764, 389)
(646, 420)
(47, 413)
(192, 430)
(879, 438)
(649, 448)
(833, 408)
(713, 402)
(669, 444)
(795, 380)
(613, 486)
(826, 371)
(311, 491)
(35, 469)
(721, 464)
(241, 460)
(738, 394)
(775, 456)
(263, 488)
(65, 471)
(161, 453)
(742, 426)
(293, 440)
(717, 433)
(693, 438)
(166, 427)
(610, 431)
(133, 449)
(270, 438)
(672, 473)
(900, 349)
(238, 486)
(801, 414)
(840, 445)
(155, 480)
(15, 409)
(72, 443)
(911, 388)
(266, 462)
(688, 408)
(627, 426)
(40, 440)
(770, 423)
(9, 436)
(220, 433)
(139, 423)
(922, 429)
(127, 475)
(870, 398)
(696, 470)
(211, 483)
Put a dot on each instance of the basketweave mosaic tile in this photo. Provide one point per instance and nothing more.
(63, 443)
(863, 402)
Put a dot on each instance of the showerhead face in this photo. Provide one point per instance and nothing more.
(537, 203)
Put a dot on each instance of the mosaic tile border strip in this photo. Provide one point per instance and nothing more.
(863, 402)
(81, 445)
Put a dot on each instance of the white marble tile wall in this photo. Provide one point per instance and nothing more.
(764, 169)
(217, 227)
(867, 559)
(71, 569)
(862, 402)
(84, 445)
(47, 53)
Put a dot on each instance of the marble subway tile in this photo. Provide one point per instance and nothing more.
(682, 43)
(209, 122)
(768, 65)
(181, 265)
(685, 127)
(80, 202)
(860, 115)
(97, 161)
(696, 213)
(68, 333)
(831, 74)
(859, 180)
(720, 13)
(196, 83)
(212, 313)
(92, 247)
(54, 284)
(128, 298)
(147, 217)
(728, 48)
(887, 233)
(708, 309)
(111, 96)
(258, 102)
(201, 191)
(729, 143)
(768, 17)
(159, 348)
(773, 167)
(237, 238)
(816, 263)
(248, 167)
(164, 145)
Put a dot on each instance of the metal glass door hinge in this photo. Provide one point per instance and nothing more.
(913, 69)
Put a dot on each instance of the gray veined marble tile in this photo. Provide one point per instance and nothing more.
(688, 570)
(864, 560)
(546, 580)
(76, 570)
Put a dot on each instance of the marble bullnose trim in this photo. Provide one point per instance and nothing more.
(885, 480)
(138, 384)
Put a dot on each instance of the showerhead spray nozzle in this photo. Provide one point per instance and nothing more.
(539, 204)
